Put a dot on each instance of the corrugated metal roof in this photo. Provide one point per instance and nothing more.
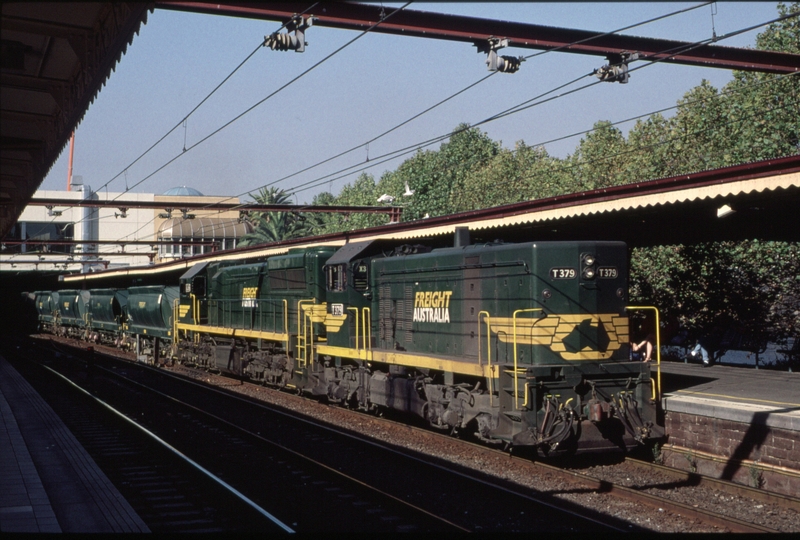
(203, 227)
(56, 57)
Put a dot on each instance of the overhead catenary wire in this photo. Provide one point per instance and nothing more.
(463, 90)
(272, 94)
(195, 108)
(523, 106)
(513, 110)
(186, 117)
(565, 167)
(374, 138)
(738, 120)
(533, 102)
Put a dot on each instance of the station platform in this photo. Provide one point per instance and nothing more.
(736, 423)
(48, 482)
(739, 394)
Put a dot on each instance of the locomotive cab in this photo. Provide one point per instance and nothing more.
(193, 303)
(523, 344)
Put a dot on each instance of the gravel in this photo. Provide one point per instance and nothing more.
(525, 473)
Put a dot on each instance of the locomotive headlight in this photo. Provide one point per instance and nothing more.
(587, 266)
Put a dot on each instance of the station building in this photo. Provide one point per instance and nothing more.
(207, 230)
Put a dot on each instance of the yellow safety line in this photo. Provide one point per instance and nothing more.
(738, 398)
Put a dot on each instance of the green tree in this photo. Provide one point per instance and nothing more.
(599, 159)
(752, 282)
(511, 176)
(273, 226)
(362, 192)
(439, 178)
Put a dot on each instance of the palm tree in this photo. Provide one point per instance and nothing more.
(273, 226)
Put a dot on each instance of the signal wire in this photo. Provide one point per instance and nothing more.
(286, 85)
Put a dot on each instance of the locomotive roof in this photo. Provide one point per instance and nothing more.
(349, 251)
(194, 270)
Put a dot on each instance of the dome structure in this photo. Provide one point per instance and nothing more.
(183, 191)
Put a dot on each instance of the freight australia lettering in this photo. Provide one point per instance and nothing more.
(432, 306)
(249, 295)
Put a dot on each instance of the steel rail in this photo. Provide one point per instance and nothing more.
(256, 435)
(600, 486)
(654, 501)
(731, 488)
(361, 438)
(178, 453)
(630, 494)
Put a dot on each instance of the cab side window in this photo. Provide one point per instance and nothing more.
(336, 277)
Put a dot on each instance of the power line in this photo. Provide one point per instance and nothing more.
(292, 81)
(181, 122)
(533, 102)
(499, 115)
(479, 81)
(186, 117)
(374, 138)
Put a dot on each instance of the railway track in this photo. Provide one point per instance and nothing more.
(658, 498)
(327, 479)
(169, 494)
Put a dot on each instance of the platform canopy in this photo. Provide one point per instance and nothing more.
(56, 57)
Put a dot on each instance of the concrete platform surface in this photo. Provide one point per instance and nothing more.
(48, 482)
(746, 395)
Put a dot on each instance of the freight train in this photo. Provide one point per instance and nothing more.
(521, 345)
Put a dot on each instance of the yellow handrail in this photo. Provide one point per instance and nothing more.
(366, 320)
(175, 308)
(301, 332)
(286, 323)
(514, 326)
(657, 387)
(488, 351)
(355, 309)
(194, 310)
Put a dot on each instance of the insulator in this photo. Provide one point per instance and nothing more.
(508, 64)
(613, 73)
(617, 71)
(282, 42)
(503, 64)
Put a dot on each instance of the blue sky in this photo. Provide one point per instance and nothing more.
(372, 85)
